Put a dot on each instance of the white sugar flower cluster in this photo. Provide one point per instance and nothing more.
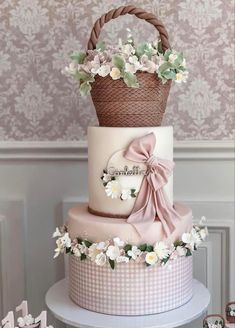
(116, 250)
(123, 61)
(215, 325)
(114, 189)
(25, 321)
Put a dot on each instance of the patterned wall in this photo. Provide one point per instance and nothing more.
(38, 103)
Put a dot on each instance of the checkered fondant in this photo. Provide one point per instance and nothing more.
(130, 289)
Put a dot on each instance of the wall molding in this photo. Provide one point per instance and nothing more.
(77, 150)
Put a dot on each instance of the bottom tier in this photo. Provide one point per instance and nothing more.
(130, 289)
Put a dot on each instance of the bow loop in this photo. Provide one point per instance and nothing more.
(151, 202)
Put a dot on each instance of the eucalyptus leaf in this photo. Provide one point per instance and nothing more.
(85, 88)
(179, 59)
(131, 80)
(119, 62)
(87, 243)
(149, 248)
(169, 75)
(164, 67)
(84, 76)
(79, 57)
(188, 253)
(143, 247)
(127, 248)
(83, 257)
(167, 53)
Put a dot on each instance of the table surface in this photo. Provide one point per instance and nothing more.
(66, 311)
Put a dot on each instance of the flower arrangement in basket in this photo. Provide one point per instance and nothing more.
(129, 83)
(230, 312)
(214, 321)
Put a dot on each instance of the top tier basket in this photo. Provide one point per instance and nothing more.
(121, 106)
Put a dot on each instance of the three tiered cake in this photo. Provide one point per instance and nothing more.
(130, 245)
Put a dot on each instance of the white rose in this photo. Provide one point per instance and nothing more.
(100, 259)
(93, 251)
(102, 245)
(151, 258)
(113, 252)
(181, 77)
(76, 252)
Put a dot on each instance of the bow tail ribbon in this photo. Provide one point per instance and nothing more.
(151, 205)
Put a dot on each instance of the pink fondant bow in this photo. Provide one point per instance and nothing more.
(151, 203)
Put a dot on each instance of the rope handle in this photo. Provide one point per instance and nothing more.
(131, 10)
(214, 316)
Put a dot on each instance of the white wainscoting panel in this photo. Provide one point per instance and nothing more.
(45, 179)
(12, 255)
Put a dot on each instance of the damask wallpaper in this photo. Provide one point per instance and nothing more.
(38, 103)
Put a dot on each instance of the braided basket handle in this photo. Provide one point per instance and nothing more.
(214, 316)
(131, 10)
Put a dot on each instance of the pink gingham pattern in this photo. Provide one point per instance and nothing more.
(130, 289)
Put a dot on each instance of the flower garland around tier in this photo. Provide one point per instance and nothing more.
(114, 251)
(123, 61)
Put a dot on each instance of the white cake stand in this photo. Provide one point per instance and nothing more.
(66, 311)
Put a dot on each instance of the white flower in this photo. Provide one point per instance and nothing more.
(76, 251)
(113, 189)
(172, 58)
(181, 77)
(183, 63)
(128, 49)
(62, 243)
(126, 194)
(100, 259)
(161, 250)
(181, 251)
(191, 239)
(134, 252)
(95, 65)
(203, 233)
(83, 248)
(113, 252)
(130, 68)
(118, 242)
(57, 233)
(93, 251)
(115, 73)
(120, 259)
(66, 240)
(104, 70)
(147, 65)
(196, 237)
(151, 258)
(106, 177)
(102, 245)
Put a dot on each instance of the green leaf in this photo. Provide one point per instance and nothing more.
(127, 248)
(144, 49)
(100, 45)
(83, 257)
(112, 264)
(159, 48)
(84, 76)
(149, 248)
(85, 88)
(167, 53)
(143, 247)
(165, 260)
(188, 253)
(164, 67)
(169, 75)
(79, 240)
(131, 80)
(87, 243)
(119, 62)
(79, 57)
(179, 59)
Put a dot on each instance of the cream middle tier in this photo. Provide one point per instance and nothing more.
(106, 147)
